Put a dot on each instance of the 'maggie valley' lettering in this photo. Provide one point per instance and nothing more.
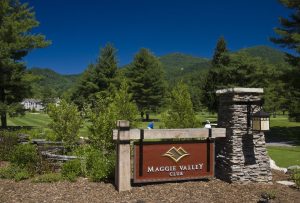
(173, 169)
(152, 169)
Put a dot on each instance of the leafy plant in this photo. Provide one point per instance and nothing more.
(296, 177)
(66, 122)
(99, 166)
(71, 169)
(8, 140)
(104, 114)
(25, 156)
(21, 175)
(14, 172)
(47, 178)
(267, 195)
(180, 113)
(102, 122)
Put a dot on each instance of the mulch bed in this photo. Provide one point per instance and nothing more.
(193, 191)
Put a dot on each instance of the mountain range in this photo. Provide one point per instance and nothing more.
(176, 65)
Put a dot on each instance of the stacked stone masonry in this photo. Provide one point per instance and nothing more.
(242, 155)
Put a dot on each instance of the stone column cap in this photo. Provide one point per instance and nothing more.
(240, 90)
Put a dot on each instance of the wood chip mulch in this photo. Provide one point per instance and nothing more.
(193, 191)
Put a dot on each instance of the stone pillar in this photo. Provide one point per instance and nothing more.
(242, 155)
(123, 169)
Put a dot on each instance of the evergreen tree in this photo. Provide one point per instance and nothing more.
(245, 71)
(147, 81)
(212, 79)
(98, 79)
(106, 68)
(16, 41)
(289, 36)
(221, 56)
(180, 113)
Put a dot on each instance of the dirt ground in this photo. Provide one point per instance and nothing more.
(193, 191)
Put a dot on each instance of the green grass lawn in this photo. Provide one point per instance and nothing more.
(285, 156)
(283, 130)
(39, 121)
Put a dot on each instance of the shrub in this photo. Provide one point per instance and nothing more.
(102, 123)
(268, 195)
(38, 133)
(104, 114)
(180, 113)
(22, 175)
(8, 140)
(25, 156)
(296, 177)
(6, 173)
(47, 178)
(14, 172)
(66, 122)
(71, 169)
(100, 166)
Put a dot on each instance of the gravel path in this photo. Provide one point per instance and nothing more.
(192, 191)
(281, 144)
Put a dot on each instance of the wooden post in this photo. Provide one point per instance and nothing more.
(123, 169)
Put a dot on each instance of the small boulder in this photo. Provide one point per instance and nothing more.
(290, 169)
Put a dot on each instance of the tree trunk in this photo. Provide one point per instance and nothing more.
(3, 120)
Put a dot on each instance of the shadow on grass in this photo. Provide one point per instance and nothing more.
(284, 134)
(15, 128)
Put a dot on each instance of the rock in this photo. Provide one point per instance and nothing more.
(290, 169)
(275, 167)
(285, 182)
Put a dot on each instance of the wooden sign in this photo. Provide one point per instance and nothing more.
(172, 161)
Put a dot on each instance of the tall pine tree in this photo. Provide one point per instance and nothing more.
(147, 81)
(16, 41)
(212, 79)
(289, 37)
(221, 56)
(98, 79)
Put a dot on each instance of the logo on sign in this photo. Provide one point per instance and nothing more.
(176, 154)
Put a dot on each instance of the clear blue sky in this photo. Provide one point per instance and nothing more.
(78, 28)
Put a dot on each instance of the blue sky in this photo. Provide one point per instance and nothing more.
(78, 28)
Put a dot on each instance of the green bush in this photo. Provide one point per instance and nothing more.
(99, 166)
(268, 195)
(296, 177)
(14, 172)
(47, 178)
(7, 173)
(94, 164)
(66, 122)
(25, 156)
(180, 113)
(22, 175)
(8, 140)
(71, 169)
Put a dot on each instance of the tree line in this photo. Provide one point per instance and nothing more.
(144, 78)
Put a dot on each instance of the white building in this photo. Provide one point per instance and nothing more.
(33, 104)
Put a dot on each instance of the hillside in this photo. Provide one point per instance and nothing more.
(51, 80)
(269, 54)
(178, 64)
